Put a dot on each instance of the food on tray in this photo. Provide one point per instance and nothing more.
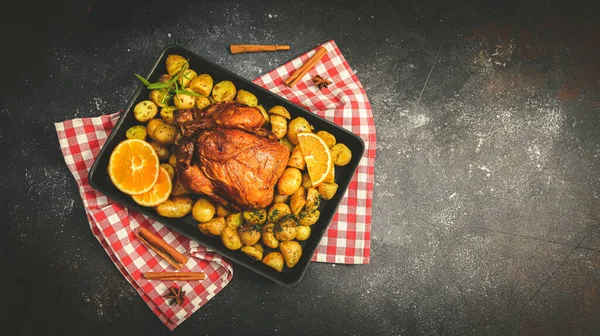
(291, 251)
(159, 193)
(316, 155)
(175, 207)
(274, 260)
(133, 166)
(145, 110)
(341, 154)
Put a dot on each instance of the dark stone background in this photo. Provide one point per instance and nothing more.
(487, 180)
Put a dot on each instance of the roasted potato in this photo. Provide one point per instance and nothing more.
(274, 260)
(327, 190)
(164, 78)
(162, 151)
(186, 77)
(249, 234)
(285, 229)
(246, 98)
(296, 126)
(179, 189)
(255, 217)
(327, 137)
(202, 84)
(213, 227)
(234, 220)
(308, 217)
(152, 125)
(255, 251)
(204, 209)
(264, 113)
(173, 160)
(291, 251)
(202, 102)
(277, 211)
(230, 238)
(159, 97)
(169, 170)
(278, 125)
(174, 64)
(341, 154)
(166, 113)
(306, 182)
(313, 199)
(184, 101)
(303, 232)
(280, 110)
(286, 142)
(268, 235)
(164, 134)
(281, 198)
(290, 181)
(296, 159)
(145, 110)
(223, 91)
(175, 207)
(298, 201)
(222, 211)
(136, 132)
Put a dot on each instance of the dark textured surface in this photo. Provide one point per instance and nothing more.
(486, 215)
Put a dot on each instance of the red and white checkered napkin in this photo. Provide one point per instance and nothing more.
(348, 239)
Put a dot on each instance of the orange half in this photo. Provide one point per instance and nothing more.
(160, 192)
(133, 166)
(316, 155)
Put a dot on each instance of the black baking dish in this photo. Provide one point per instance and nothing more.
(99, 179)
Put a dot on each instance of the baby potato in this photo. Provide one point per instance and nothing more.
(175, 207)
(159, 97)
(222, 211)
(246, 98)
(161, 151)
(249, 235)
(278, 126)
(308, 217)
(186, 77)
(184, 101)
(280, 110)
(223, 91)
(296, 126)
(330, 178)
(327, 190)
(313, 199)
(255, 217)
(274, 260)
(213, 227)
(303, 232)
(145, 110)
(166, 113)
(173, 160)
(264, 113)
(170, 170)
(341, 154)
(290, 181)
(164, 78)
(204, 210)
(179, 189)
(165, 134)
(277, 211)
(230, 238)
(291, 251)
(280, 198)
(174, 64)
(327, 137)
(201, 84)
(286, 142)
(136, 132)
(306, 182)
(234, 220)
(296, 159)
(152, 125)
(298, 201)
(268, 235)
(255, 251)
(202, 102)
(285, 229)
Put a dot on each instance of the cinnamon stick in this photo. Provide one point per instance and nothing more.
(158, 245)
(306, 67)
(175, 276)
(243, 48)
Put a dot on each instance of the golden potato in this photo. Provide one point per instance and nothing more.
(281, 198)
(268, 235)
(174, 64)
(223, 91)
(204, 209)
(172, 160)
(165, 134)
(291, 251)
(162, 151)
(296, 126)
(222, 211)
(255, 251)
(277, 211)
(274, 260)
(246, 98)
(278, 126)
(145, 110)
(234, 220)
(169, 170)
(201, 84)
(255, 217)
(280, 110)
(327, 137)
(175, 207)
(159, 97)
(249, 234)
(307, 217)
(264, 113)
(341, 154)
(166, 113)
(184, 101)
(306, 182)
(164, 78)
(179, 189)
(202, 102)
(186, 77)
(286, 142)
(152, 125)
(313, 199)
(303, 232)
(327, 190)
(136, 132)
(285, 229)
(330, 178)
(296, 159)
(298, 201)
(290, 181)
(230, 238)
(213, 227)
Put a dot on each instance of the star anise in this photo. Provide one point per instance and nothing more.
(176, 295)
(321, 82)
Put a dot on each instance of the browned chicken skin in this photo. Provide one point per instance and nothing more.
(226, 154)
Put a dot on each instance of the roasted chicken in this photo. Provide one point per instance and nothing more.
(226, 154)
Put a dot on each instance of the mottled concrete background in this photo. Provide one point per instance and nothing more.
(486, 214)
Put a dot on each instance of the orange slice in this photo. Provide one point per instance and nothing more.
(316, 155)
(133, 166)
(159, 193)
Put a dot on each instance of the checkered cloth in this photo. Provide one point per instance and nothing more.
(347, 240)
